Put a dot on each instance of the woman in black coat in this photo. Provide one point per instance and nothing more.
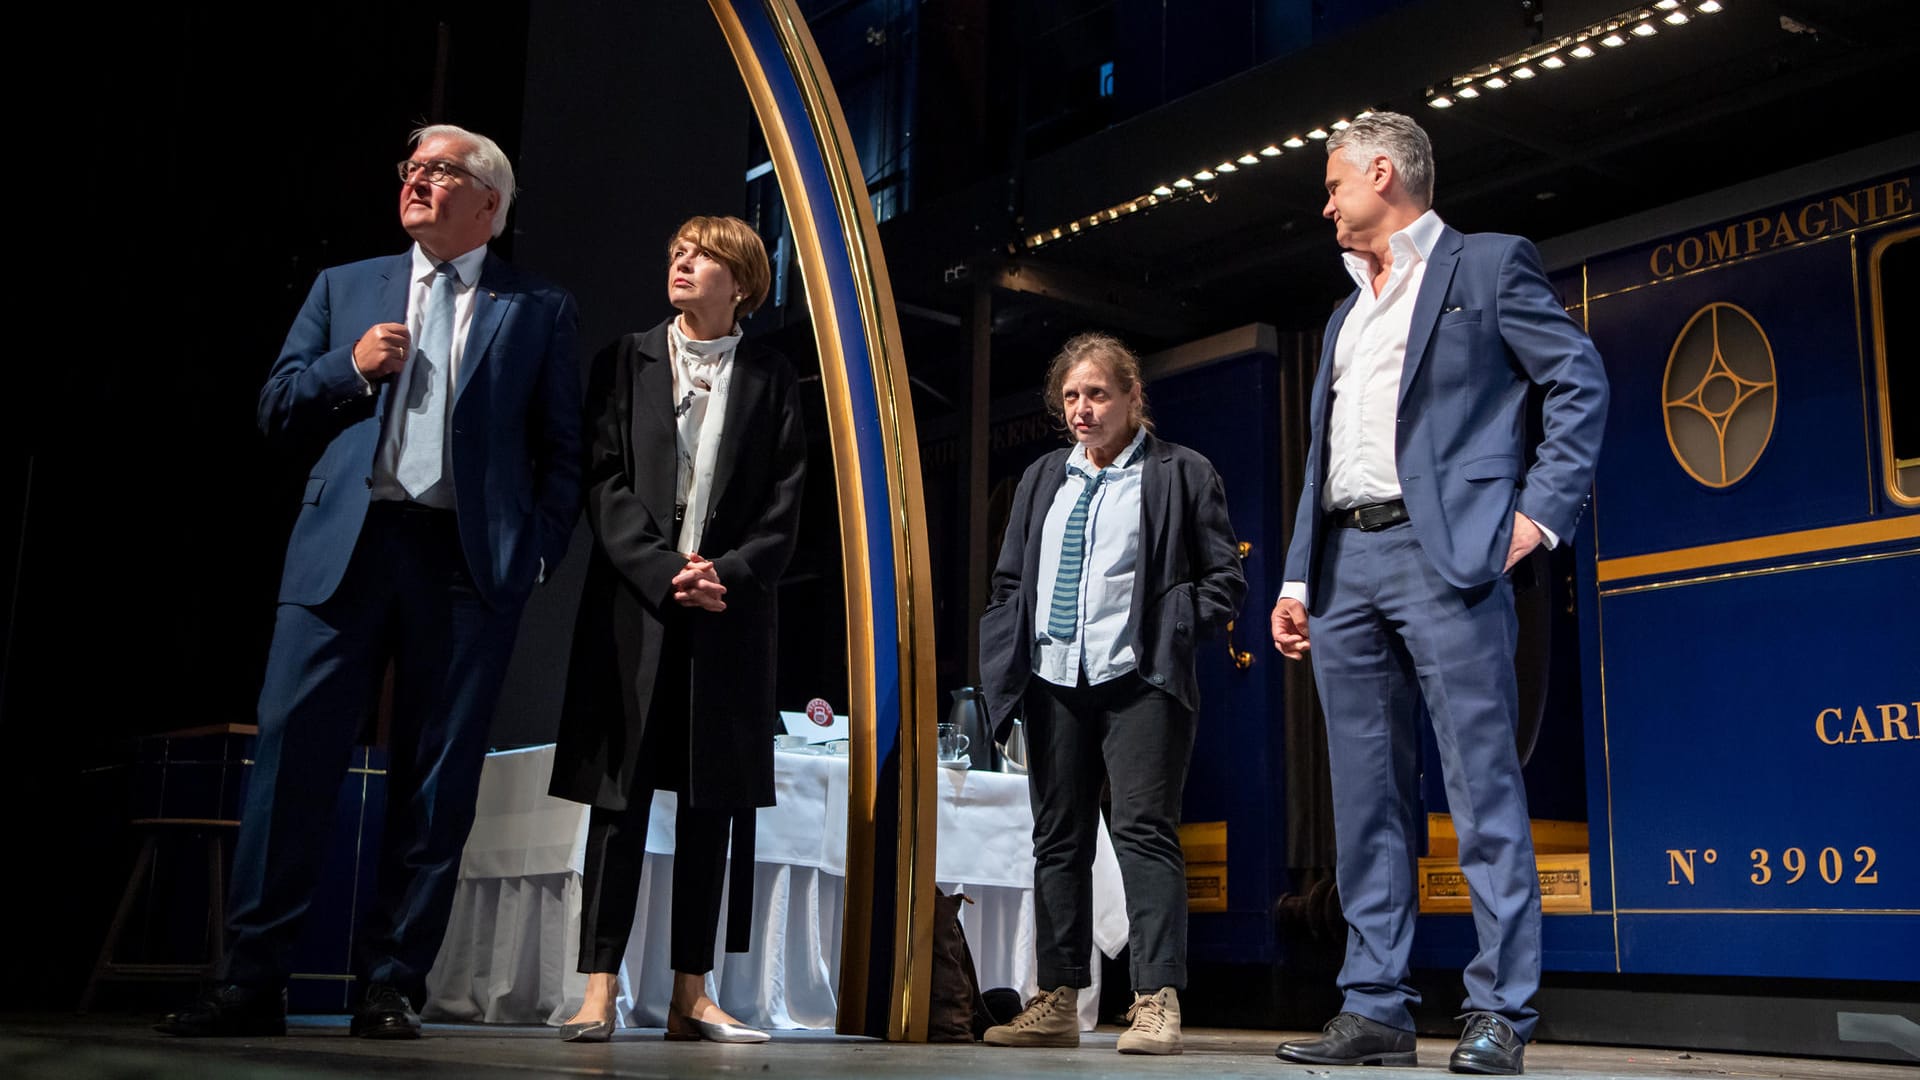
(695, 465)
(1118, 558)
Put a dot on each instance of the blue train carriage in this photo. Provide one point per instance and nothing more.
(1746, 583)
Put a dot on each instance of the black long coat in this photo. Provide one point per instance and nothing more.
(752, 517)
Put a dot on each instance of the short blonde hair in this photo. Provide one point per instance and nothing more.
(1110, 353)
(735, 245)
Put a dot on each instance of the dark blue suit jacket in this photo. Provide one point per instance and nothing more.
(1486, 324)
(515, 425)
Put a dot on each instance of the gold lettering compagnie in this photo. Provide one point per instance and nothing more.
(1892, 722)
(1769, 231)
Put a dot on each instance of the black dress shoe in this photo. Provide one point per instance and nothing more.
(230, 1010)
(1488, 1046)
(1352, 1039)
(386, 1014)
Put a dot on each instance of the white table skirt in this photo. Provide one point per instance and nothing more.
(513, 939)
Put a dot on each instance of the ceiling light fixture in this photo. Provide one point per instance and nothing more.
(1642, 20)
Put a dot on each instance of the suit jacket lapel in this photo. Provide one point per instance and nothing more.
(1053, 476)
(1426, 306)
(655, 453)
(394, 282)
(493, 298)
(747, 386)
(1323, 389)
(1153, 525)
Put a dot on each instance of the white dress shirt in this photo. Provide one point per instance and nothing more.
(1368, 357)
(387, 458)
(1101, 644)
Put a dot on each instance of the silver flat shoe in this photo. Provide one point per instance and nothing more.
(719, 1033)
(591, 1031)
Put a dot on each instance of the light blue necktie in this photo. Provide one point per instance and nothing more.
(1063, 617)
(423, 448)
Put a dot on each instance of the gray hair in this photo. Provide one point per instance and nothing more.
(484, 159)
(1397, 138)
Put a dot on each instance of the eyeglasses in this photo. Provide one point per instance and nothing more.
(438, 172)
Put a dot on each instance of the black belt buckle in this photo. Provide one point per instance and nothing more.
(1375, 516)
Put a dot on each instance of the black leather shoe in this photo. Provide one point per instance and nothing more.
(386, 1014)
(1488, 1046)
(230, 1010)
(1352, 1039)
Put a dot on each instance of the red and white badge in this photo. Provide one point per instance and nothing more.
(820, 712)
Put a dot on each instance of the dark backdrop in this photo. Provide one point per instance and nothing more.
(190, 173)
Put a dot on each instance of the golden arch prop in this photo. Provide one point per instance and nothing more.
(887, 930)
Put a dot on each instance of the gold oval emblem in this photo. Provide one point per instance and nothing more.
(1719, 394)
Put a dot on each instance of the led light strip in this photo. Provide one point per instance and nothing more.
(1608, 34)
(1183, 188)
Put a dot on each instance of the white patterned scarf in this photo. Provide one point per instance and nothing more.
(702, 371)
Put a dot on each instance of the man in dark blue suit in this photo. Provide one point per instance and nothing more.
(440, 392)
(1419, 498)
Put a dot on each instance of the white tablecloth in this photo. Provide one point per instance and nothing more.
(511, 945)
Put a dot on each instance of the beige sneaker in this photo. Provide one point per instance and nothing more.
(1052, 1019)
(1155, 1020)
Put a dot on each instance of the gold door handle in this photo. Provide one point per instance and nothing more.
(1241, 658)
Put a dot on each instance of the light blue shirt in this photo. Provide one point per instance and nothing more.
(1103, 645)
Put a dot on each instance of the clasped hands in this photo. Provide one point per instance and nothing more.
(698, 586)
(1290, 634)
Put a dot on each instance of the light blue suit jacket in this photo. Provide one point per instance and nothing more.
(515, 429)
(1486, 327)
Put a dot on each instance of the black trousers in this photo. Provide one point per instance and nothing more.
(617, 840)
(1140, 740)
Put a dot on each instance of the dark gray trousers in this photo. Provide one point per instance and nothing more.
(1140, 740)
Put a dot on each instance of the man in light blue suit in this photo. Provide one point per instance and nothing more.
(1420, 495)
(439, 394)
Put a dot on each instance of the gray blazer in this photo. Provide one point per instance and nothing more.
(1187, 584)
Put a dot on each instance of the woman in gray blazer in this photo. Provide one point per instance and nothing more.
(1118, 557)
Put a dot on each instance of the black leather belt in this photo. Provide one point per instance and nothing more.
(410, 508)
(1372, 516)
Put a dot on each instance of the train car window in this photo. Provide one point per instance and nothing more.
(1895, 281)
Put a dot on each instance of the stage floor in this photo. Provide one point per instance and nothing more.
(319, 1046)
